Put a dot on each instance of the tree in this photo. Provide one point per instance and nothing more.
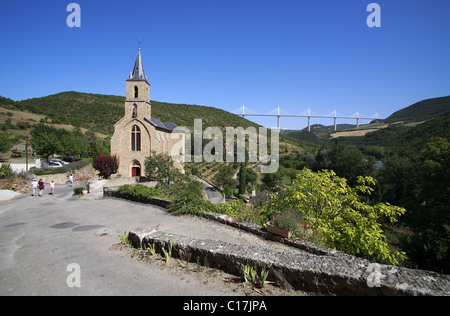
(435, 169)
(399, 181)
(430, 244)
(335, 210)
(44, 140)
(347, 162)
(242, 179)
(224, 178)
(271, 180)
(106, 165)
(47, 141)
(5, 143)
(161, 168)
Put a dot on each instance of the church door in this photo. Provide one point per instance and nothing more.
(136, 169)
(136, 172)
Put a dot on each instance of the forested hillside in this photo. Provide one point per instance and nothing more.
(100, 112)
(411, 163)
(422, 110)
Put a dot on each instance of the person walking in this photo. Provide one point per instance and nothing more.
(52, 186)
(34, 187)
(41, 186)
(71, 179)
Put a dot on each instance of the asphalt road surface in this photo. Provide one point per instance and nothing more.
(47, 241)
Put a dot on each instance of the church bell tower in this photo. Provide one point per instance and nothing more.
(137, 102)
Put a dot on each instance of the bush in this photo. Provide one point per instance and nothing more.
(6, 172)
(106, 165)
(336, 211)
(78, 191)
(187, 199)
(66, 168)
(243, 212)
(188, 204)
(139, 193)
(287, 221)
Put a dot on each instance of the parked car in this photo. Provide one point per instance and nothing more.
(55, 164)
(62, 162)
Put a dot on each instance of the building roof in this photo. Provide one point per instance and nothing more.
(138, 70)
(162, 125)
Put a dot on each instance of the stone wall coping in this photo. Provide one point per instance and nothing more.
(333, 274)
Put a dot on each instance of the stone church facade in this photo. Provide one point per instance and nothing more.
(138, 134)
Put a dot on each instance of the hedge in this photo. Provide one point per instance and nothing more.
(66, 168)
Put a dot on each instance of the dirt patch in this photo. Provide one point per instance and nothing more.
(209, 276)
(17, 185)
(353, 133)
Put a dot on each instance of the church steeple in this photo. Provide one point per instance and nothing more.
(138, 70)
(137, 102)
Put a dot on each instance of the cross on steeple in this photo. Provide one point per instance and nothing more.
(140, 44)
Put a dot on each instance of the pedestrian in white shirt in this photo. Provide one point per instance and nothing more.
(34, 186)
(52, 186)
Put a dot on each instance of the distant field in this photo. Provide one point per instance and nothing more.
(360, 131)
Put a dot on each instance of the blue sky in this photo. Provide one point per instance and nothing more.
(317, 54)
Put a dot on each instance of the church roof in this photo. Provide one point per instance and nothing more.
(162, 125)
(138, 70)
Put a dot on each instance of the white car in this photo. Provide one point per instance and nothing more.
(55, 164)
(62, 162)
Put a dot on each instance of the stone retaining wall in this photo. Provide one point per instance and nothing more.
(334, 274)
(315, 269)
(63, 178)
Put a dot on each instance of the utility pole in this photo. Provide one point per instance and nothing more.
(26, 152)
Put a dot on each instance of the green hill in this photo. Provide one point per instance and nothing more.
(101, 112)
(408, 140)
(92, 111)
(421, 111)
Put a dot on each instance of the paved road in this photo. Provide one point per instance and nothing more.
(40, 237)
(214, 196)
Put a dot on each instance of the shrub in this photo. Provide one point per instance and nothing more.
(6, 172)
(106, 165)
(335, 210)
(286, 221)
(187, 199)
(243, 212)
(139, 193)
(78, 191)
(66, 168)
(188, 204)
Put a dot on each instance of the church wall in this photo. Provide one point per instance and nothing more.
(137, 108)
(121, 145)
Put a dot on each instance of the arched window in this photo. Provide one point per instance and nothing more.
(135, 138)
(134, 115)
(136, 92)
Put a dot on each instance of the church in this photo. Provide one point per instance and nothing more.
(138, 133)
